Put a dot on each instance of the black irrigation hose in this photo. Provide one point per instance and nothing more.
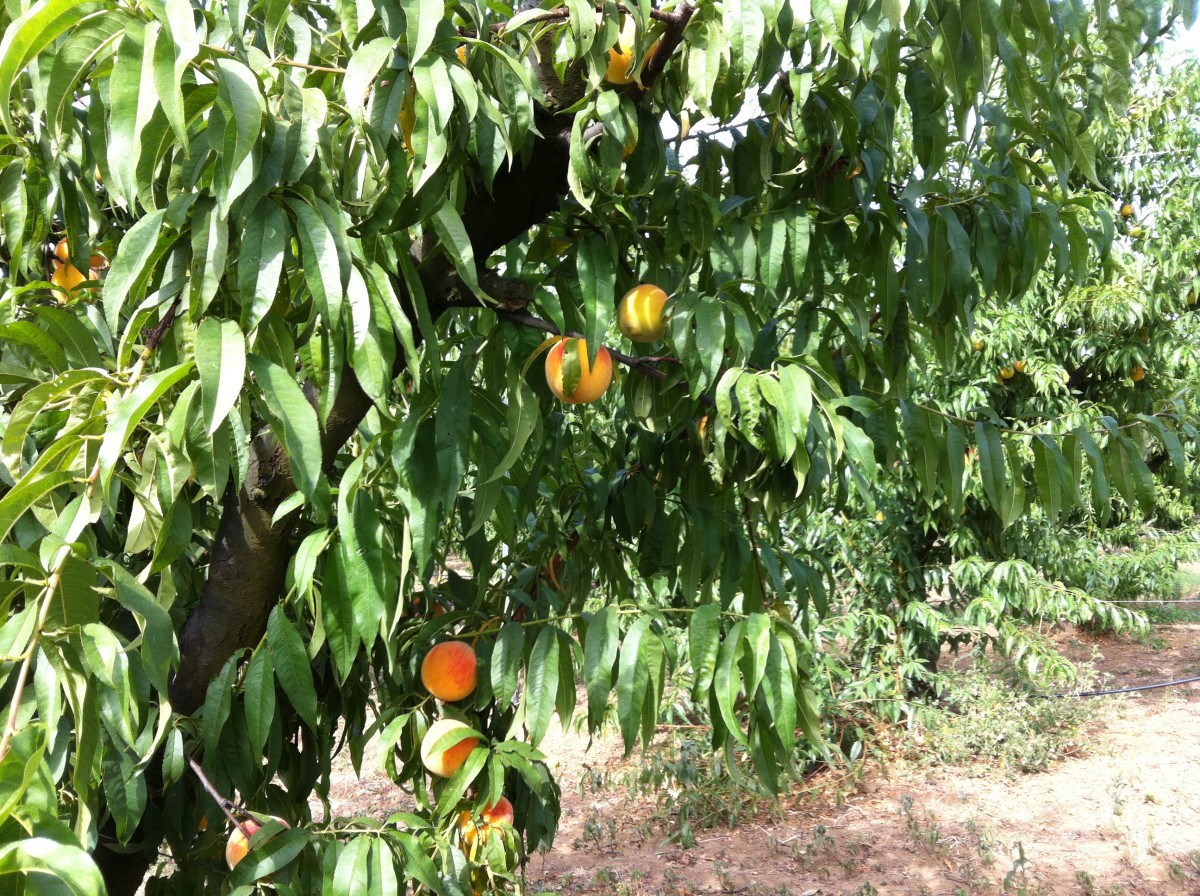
(1140, 687)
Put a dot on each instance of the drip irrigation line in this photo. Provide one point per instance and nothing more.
(1166, 602)
(1128, 690)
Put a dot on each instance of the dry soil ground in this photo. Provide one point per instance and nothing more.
(1122, 816)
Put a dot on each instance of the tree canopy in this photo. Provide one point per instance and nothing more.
(277, 284)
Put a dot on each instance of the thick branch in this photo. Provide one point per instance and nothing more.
(250, 555)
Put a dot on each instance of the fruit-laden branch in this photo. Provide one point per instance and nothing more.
(250, 554)
(643, 365)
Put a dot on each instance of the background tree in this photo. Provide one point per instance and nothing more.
(242, 461)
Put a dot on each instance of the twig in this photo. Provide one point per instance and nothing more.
(60, 561)
(562, 13)
(225, 804)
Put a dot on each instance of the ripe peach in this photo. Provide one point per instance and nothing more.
(620, 57)
(445, 763)
(640, 315)
(448, 670)
(498, 813)
(238, 845)
(592, 380)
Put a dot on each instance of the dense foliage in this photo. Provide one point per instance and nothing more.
(277, 279)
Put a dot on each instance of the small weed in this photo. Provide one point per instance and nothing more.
(989, 713)
(1017, 880)
(694, 792)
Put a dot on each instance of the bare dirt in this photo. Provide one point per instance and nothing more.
(1121, 816)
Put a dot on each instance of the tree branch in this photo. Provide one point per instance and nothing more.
(249, 558)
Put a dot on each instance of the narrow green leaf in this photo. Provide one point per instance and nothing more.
(991, 465)
(452, 234)
(452, 430)
(599, 655)
(506, 661)
(258, 692)
(633, 681)
(260, 261)
(128, 272)
(727, 683)
(129, 413)
(30, 34)
(319, 255)
(597, 278)
(293, 420)
(221, 363)
(421, 19)
(82, 48)
(523, 417)
(337, 614)
(159, 648)
(704, 640)
(292, 667)
(541, 684)
(210, 247)
(361, 72)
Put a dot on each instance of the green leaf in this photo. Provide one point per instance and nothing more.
(991, 465)
(506, 661)
(452, 430)
(210, 246)
(260, 261)
(599, 654)
(452, 234)
(171, 59)
(129, 413)
(352, 874)
(69, 867)
(704, 640)
(221, 363)
(421, 19)
(159, 648)
(778, 688)
(361, 72)
(30, 34)
(241, 101)
(523, 417)
(128, 272)
(29, 334)
(218, 700)
(293, 420)
(337, 613)
(726, 682)
(28, 492)
(541, 684)
(73, 59)
(318, 252)
(20, 766)
(633, 682)
(292, 668)
(29, 408)
(258, 692)
(597, 274)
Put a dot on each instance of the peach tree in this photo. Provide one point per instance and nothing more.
(276, 278)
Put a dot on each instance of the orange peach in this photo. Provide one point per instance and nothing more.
(444, 763)
(449, 670)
